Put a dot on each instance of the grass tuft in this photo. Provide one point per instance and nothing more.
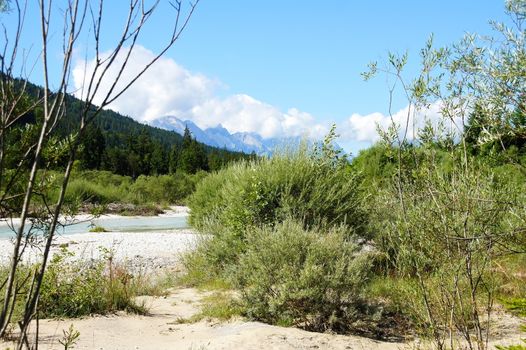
(98, 229)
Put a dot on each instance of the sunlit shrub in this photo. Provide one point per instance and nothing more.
(308, 278)
(308, 186)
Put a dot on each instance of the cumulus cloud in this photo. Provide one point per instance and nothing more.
(244, 113)
(170, 89)
(166, 88)
(365, 127)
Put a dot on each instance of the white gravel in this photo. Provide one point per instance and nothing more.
(143, 250)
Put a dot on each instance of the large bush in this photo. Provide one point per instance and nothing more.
(314, 187)
(285, 232)
(445, 233)
(309, 278)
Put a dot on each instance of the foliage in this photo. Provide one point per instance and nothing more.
(219, 305)
(515, 305)
(511, 347)
(445, 217)
(103, 188)
(284, 232)
(314, 187)
(398, 298)
(307, 185)
(192, 157)
(97, 229)
(92, 147)
(172, 189)
(84, 191)
(204, 267)
(308, 278)
(74, 288)
(69, 338)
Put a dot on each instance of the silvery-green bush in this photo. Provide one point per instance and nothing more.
(309, 278)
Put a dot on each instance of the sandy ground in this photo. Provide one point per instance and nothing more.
(164, 329)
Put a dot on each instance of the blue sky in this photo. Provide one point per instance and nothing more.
(286, 67)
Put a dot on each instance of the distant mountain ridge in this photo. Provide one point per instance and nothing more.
(220, 137)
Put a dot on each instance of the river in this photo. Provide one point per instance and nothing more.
(115, 224)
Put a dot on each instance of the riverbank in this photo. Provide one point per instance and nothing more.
(144, 250)
(138, 250)
(172, 211)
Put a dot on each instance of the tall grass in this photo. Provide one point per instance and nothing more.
(167, 189)
(103, 187)
(86, 191)
(74, 288)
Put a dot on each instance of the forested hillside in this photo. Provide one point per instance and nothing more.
(126, 147)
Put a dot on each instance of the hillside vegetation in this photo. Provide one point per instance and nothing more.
(116, 143)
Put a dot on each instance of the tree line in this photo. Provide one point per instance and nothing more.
(117, 143)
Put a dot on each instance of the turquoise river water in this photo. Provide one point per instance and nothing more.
(116, 224)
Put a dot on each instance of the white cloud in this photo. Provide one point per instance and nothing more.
(166, 88)
(244, 113)
(169, 89)
(364, 127)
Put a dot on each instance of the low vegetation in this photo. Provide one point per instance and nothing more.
(76, 287)
(309, 278)
(98, 191)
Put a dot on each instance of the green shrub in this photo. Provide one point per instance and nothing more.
(511, 347)
(515, 305)
(445, 230)
(81, 190)
(264, 191)
(309, 186)
(205, 265)
(106, 178)
(308, 278)
(284, 230)
(207, 199)
(172, 189)
(73, 288)
(220, 305)
(103, 187)
(97, 229)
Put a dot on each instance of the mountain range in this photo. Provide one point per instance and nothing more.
(220, 137)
